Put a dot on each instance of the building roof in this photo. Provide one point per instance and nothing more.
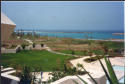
(6, 20)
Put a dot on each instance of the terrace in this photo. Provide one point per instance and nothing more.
(58, 58)
(46, 59)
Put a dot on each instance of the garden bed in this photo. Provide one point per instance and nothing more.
(92, 59)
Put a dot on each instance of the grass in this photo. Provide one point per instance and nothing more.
(80, 53)
(93, 59)
(53, 40)
(13, 46)
(113, 45)
(78, 41)
(98, 52)
(43, 59)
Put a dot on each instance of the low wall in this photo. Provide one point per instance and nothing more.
(5, 80)
(4, 50)
(29, 47)
(69, 80)
(38, 47)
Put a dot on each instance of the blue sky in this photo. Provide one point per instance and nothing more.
(69, 15)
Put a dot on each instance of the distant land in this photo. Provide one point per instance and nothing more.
(98, 35)
(118, 33)
(70, 31)
(50, 31)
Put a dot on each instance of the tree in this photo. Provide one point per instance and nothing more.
(105, 48)
(26, 76)
(34, 45)
(73, 52)
(90, 54)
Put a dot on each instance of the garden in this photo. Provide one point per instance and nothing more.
(57, 64)
(43, 59)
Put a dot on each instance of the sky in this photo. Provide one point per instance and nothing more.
(66, 15)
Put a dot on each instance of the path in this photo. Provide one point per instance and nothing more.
(28, 41)
(50, 50)
(95, 67)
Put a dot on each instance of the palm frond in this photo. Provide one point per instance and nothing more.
(111, 71)
(106, 73)
(82, 80)
(90, 76)
(75, 81)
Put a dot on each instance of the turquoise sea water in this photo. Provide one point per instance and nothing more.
(92, 35)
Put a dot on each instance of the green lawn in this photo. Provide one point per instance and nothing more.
(44, 59)
(114, 45)
(80, 53)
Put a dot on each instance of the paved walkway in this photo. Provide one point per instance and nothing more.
(28, 41)
(45, 76)
(95, 67)
(6, 73)
(50, 50)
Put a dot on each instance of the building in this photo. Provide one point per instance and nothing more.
(7, 27)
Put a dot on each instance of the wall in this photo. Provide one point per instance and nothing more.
(3, 50)
(69, 80)
(6, 31)
(5, 80)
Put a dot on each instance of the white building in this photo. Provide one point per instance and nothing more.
(7, 27)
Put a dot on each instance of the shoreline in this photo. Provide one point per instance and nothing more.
(114, 40)
(118, 33)
(52, 32)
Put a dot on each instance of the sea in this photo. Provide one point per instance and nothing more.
(78, 34)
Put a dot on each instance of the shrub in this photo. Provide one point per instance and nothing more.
(5, 45)
(73, 52)
(65, 68)
(85, 52)
(81, 72)
(56, 75)
(26, 77)
(93, 58)
(13, 46)
(98, 52)
(34, 45)
(42, 45)
(23, 46)
(82, 41)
